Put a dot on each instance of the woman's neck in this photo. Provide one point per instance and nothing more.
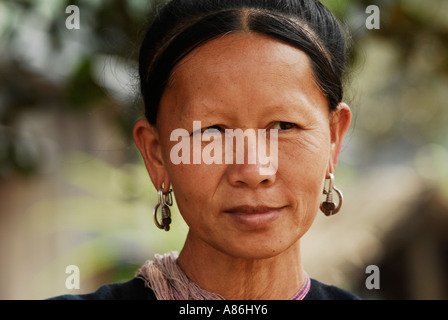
(278, 277)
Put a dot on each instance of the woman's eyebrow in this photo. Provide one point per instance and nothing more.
(287, 108)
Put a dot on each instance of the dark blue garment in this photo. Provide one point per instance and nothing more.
(135, 289)
(321, 291)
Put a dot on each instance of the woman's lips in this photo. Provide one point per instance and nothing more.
(254, 216)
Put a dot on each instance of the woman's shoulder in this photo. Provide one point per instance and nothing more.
(134, 289)
(321, 291)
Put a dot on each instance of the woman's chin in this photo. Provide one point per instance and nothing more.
(255, 248)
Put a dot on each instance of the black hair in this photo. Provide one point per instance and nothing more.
(183, 25)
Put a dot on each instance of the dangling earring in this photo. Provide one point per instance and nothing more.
(328, 207)
(165, 200)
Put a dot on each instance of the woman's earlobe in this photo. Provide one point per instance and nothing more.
(330, 169)
(147, 140)
(341, 120)
(340, 123)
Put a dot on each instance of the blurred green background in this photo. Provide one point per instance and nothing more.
(74, 191)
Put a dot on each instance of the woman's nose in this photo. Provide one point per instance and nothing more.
(253, 167)
(249, 175)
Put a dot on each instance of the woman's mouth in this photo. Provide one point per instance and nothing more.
(254, 216)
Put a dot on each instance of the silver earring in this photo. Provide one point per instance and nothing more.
(165, 200)
(329, 207)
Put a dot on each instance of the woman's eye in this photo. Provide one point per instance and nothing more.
(208, 130)
(213, 129)
(281, 125)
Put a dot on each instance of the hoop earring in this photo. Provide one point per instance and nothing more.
(328, 207)
(165, 200)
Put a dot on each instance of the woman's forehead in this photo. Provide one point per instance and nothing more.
(241, 69)
(243, 52)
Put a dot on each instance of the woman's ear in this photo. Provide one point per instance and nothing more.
(339, 123)
(147, 139)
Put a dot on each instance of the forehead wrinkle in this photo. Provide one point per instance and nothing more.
(195, 63)
(184, 75)
(205, 112)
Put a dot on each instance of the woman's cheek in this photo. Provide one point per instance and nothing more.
(302, 166)
(196, 181)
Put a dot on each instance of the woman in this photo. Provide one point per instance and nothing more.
(213, 69)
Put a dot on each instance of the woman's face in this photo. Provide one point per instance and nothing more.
(248, 81)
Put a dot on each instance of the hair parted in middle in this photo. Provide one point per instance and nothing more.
(183, 25)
